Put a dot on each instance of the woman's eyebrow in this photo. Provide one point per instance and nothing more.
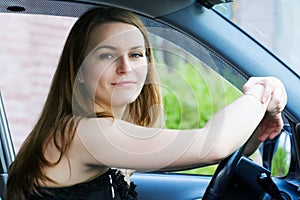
(115, 48)
(105, 47)
(138, 47)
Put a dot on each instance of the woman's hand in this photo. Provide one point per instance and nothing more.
(274, 91)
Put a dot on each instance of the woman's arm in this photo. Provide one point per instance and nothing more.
(117, 143)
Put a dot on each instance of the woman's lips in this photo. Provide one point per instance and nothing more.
(124, 83)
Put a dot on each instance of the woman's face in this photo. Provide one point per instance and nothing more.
(115, 68)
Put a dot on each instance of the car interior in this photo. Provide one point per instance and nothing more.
(192, 33)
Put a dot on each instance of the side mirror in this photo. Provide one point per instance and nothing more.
(282, 156)
(276, 153)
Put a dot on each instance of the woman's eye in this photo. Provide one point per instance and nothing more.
(136, 55)
(106, 56)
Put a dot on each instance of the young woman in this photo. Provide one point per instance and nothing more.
(104, 113)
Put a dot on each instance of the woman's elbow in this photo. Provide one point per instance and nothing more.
(220, 152)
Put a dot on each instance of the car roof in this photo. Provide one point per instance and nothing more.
(153, 8)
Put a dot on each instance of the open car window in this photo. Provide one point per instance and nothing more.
(192, 88)
(193, 78)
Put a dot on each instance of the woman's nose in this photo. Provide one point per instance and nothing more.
(123, 65)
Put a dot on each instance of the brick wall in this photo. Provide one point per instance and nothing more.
(29, 51)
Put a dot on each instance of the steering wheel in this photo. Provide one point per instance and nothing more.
(221, 177)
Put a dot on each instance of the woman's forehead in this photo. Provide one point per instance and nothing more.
(116, 34)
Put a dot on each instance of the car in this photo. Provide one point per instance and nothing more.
(209, 47)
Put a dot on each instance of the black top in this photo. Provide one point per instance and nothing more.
(110, 185)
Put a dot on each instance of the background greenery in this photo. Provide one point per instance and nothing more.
(192, 93)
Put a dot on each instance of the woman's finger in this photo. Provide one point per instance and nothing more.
(250, 83)
(274, 92)
(279, 97)
(267, 94)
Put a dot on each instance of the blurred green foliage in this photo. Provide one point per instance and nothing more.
(191, 95)
(280, 163)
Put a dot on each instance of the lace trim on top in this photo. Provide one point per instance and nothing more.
(110, 185)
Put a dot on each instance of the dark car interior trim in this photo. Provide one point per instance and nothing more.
(211, 3)
(153, 8)
(7, 153)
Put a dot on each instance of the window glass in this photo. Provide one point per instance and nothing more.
(275, 25)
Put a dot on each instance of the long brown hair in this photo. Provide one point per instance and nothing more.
(65, 103)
